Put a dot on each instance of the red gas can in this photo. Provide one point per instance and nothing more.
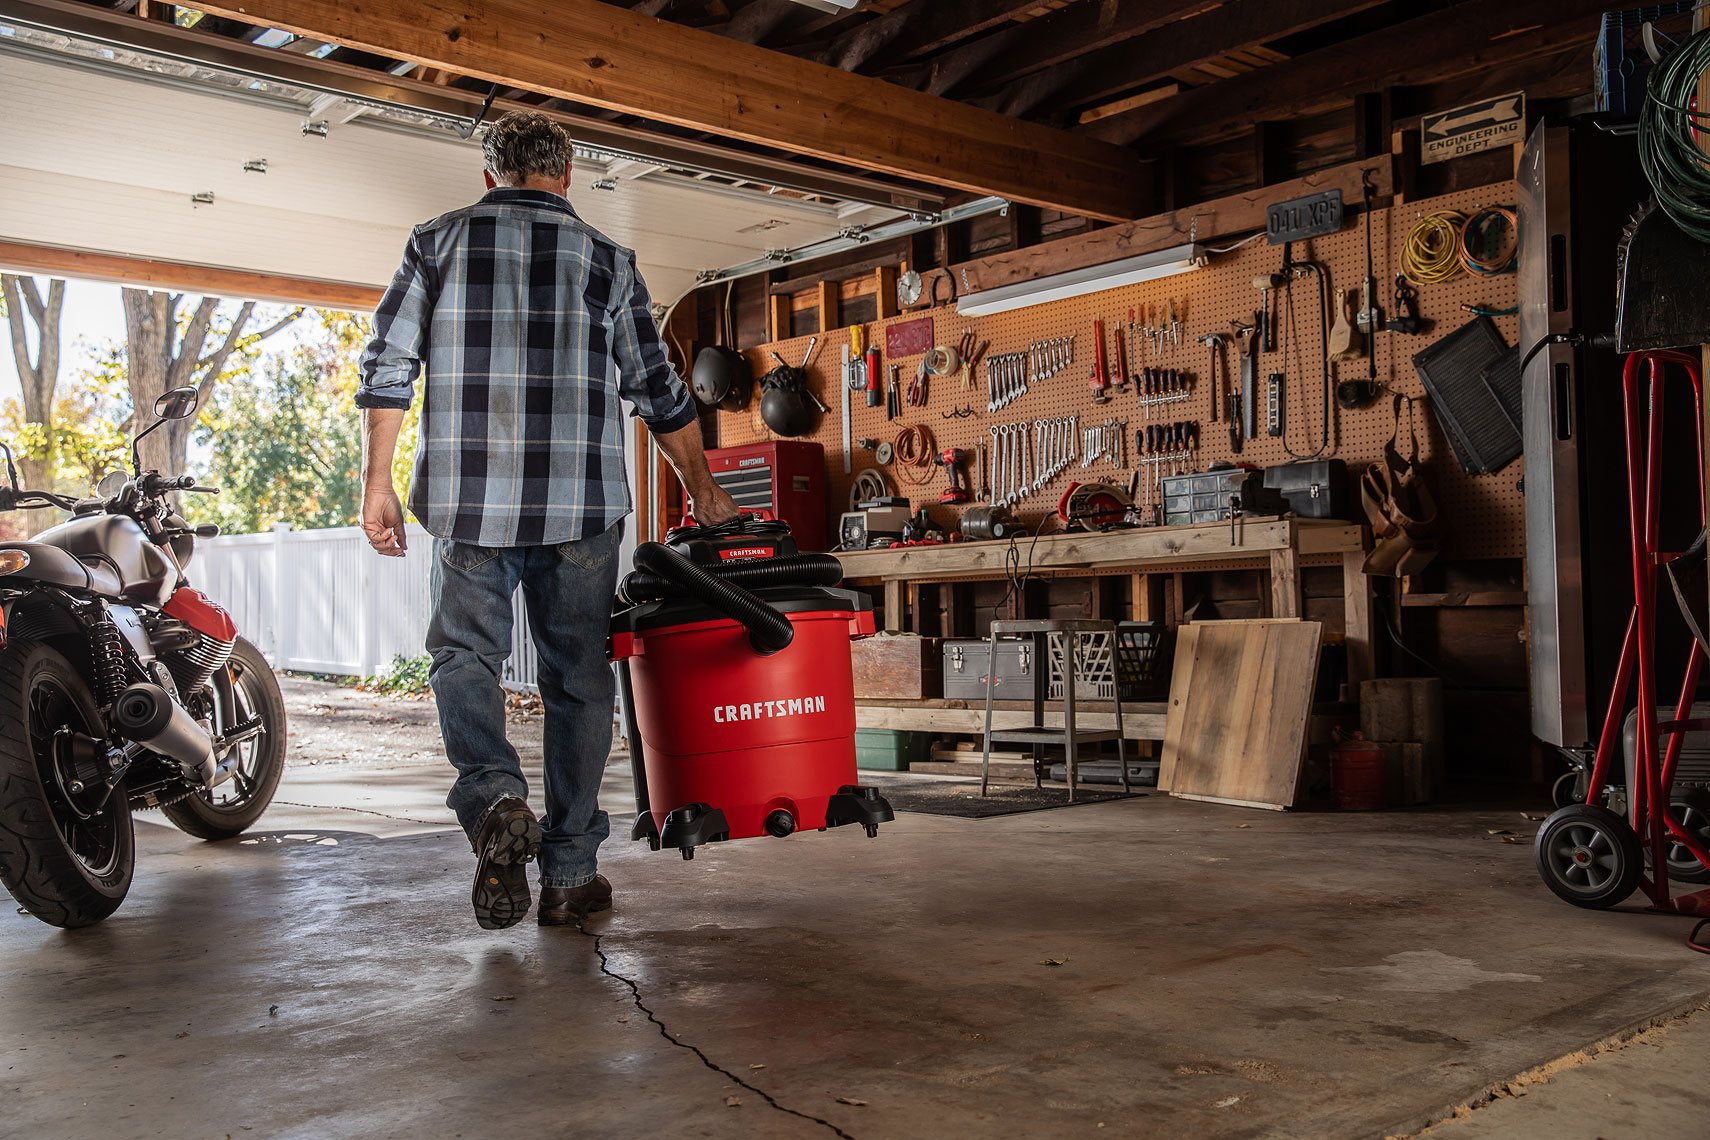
(1356, 774)
(736, 742)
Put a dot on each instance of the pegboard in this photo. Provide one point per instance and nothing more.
(1483, 514)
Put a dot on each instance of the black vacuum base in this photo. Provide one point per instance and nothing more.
(855, 804)
(690, 826)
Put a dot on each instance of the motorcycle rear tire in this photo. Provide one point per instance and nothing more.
(201, 814)
(38, 864)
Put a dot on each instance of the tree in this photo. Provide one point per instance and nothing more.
(164, 349)
(21, 297)
(285, 446)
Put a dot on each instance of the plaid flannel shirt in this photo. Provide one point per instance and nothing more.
(530, 325)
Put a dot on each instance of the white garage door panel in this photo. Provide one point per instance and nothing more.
(116, 167)
(167, 138)
(87, 213)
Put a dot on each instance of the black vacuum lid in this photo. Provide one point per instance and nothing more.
(784, 599)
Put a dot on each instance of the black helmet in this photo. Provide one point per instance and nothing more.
(721, 378)
(785, 412)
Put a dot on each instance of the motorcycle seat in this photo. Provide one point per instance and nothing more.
(59, 567)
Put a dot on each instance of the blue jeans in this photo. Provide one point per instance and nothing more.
(568, 591)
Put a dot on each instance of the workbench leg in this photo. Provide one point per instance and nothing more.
(1285, 583)
(1357, 620)
(893, 605)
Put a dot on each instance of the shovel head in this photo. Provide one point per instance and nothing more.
(1664, 295)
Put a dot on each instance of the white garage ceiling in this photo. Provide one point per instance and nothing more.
(97, 155)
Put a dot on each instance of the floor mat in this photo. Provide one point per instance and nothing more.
(959, 798)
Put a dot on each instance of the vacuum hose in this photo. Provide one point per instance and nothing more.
(768, 630)
(640, 586)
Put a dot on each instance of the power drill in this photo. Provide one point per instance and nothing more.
(951, 460)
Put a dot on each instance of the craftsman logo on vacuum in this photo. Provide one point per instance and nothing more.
(745, 552)
(767, 710)
(1484, 125)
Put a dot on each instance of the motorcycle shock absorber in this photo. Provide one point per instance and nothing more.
(107, 653)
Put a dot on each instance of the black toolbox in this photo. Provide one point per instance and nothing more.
(1018, 670)
(1205, 497)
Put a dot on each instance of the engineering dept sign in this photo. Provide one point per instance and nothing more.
(1468, 129)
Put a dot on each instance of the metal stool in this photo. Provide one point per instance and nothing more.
(1039, 735)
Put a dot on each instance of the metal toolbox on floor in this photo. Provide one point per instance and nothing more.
(965, 670)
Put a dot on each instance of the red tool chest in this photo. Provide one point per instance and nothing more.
(786, 477)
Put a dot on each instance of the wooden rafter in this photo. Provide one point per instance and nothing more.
(1465, 39)
(921, 27)
(611, 57)
(207, 280)
(1053, 40)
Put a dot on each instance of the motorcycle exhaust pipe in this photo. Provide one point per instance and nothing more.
(146, 714)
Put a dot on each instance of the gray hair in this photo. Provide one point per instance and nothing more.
(524, 143)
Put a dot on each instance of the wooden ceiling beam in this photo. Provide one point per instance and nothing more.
(203, 280)
(611, 57)
(921, 27)
(439, 95)
(1116, 70)
(1053, 40)
(1465, 39)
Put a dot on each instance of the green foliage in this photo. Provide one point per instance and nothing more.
(89, 436)
(285, 441)
(403, 675)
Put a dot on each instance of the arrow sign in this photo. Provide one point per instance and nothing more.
(1453, 121)
(1468, 129)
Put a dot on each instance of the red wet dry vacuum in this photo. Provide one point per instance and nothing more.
(733, 660)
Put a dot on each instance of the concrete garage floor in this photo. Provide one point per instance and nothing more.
(1144, 968)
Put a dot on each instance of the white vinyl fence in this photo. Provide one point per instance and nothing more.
(321, 601)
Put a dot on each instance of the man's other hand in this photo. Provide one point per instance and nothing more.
(383, 522)
(713, 506)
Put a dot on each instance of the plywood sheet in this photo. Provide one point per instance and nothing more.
(1235, 731)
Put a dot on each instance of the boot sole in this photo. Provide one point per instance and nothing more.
(501, 896)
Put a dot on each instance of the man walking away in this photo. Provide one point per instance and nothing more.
(530, 326)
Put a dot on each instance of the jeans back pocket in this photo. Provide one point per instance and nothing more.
(593, 553)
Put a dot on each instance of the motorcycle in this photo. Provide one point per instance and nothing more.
(121, 688)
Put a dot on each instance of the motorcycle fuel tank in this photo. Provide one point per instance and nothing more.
(146, 575)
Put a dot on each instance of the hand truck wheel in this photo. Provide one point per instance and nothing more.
(1692, 809)
(1589, 856)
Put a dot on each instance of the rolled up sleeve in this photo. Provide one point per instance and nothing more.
(392, 362)
(645, 376)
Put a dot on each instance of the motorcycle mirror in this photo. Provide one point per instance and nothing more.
(111, 484)
(11, 471)
(178, 404)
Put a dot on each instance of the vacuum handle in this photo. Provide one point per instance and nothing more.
(768, 630)
(639, 586)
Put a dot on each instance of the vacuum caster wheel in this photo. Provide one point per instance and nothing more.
(1589, 856)
(1692, 810)
(1567, 790)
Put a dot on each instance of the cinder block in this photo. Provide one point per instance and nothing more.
(1402, 708)
(1413, 771)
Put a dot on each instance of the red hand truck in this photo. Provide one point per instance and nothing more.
(1587, 854)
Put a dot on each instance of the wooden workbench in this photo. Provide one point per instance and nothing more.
(1279, 546)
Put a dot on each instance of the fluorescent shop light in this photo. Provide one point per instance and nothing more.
(1079, 282)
